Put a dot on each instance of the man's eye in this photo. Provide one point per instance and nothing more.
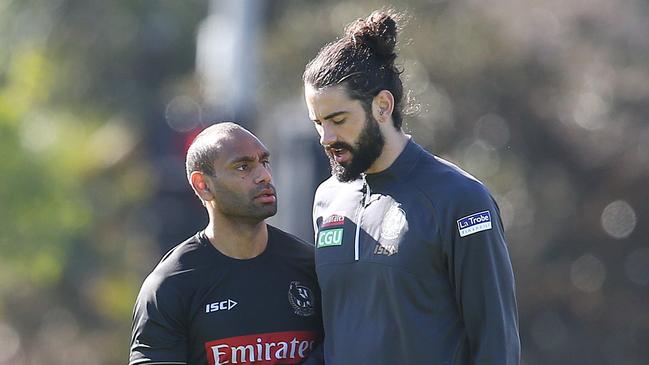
(242, 167)
(338, 121)
(266, 163)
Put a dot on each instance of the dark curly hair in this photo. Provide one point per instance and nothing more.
(362, 61)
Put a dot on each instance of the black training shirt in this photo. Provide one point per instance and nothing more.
(199, 306)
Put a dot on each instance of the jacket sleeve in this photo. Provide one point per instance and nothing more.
(481, 273)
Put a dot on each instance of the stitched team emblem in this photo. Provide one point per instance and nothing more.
(301, 299)
(393, 222)
(392, 228)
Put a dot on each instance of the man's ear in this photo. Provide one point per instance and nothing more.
(199, 184)
(382, 106)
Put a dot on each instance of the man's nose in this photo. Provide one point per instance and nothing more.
(327, 136)
(265, 175)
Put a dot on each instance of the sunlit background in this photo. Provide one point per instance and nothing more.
(545, 101)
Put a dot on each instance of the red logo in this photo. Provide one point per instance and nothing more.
(266, 348)
(333, 220)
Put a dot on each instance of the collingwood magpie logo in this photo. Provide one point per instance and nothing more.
(394, 225)
(301, 299)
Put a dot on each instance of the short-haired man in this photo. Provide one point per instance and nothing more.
(240, 291)
(411, 255)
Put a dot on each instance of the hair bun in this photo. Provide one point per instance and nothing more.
(378, 32)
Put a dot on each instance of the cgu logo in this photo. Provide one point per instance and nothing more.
(330, 237)
(224, 305)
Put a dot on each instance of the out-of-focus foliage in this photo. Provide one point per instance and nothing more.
(76, 87)
(545, 101)
(54, 197)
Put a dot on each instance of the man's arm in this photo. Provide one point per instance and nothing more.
(481, 271)
(157, 333)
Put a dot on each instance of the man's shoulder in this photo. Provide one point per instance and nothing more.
(294, 255)
(443, 181)
(333, 187)
(180, 260)
(330, 183)
(289, 243)
(184, 254)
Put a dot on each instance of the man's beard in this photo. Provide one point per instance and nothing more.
(365, 151)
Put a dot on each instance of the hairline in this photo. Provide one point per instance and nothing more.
(206, 145)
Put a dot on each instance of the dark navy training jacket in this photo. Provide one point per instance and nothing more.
(413, 268)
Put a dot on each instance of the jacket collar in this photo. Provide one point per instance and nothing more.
(402, 166)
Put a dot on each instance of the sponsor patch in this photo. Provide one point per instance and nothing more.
(330, 237)
(261, 349)
(224, 305)
(334, 220)
(474, 223)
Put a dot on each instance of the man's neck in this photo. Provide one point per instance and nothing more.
(237, 239)
(395, 143)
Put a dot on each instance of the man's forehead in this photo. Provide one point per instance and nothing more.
(322, 102)
(238, 137)
(336, 92)
(240, 144)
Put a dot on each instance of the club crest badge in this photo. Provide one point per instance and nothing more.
(301, 299)
(392, 228)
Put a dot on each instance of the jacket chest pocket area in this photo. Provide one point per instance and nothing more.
(394, 236)
(335, 243)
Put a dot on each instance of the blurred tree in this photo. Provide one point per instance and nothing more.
(81, 89)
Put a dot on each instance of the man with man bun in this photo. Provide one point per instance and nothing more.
(411, 256)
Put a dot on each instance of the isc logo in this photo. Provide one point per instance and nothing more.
(330, 237)
(224, 305)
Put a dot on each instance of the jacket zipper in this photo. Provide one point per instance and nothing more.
(359, 217)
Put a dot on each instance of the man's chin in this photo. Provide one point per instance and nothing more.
(265, 211)
(270, 211)
(343, 173)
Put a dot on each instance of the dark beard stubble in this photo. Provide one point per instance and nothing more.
(365, 151)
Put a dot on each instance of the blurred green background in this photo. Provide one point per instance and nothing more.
(544, 101)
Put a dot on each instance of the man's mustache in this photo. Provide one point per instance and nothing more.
(340, 145)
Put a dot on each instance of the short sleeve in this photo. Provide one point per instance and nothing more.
(158, 333)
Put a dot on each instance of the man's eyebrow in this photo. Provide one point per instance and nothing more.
(249, 158)
(334, 114)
